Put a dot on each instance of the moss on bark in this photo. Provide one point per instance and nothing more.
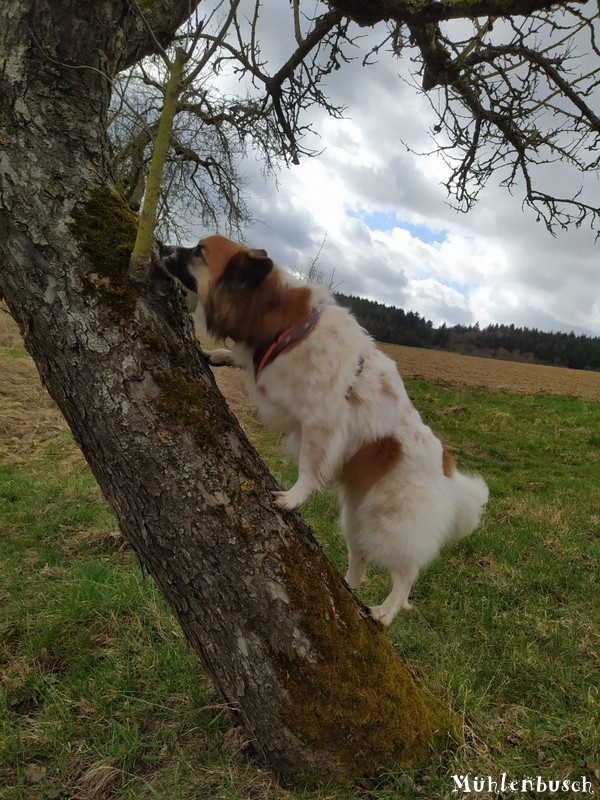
(350, 697)
(358, 702)
(105, 229)
(183, 403)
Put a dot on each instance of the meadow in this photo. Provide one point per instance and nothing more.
(100, 698)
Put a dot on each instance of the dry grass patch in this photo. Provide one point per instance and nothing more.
(29, 420)
(28, 416)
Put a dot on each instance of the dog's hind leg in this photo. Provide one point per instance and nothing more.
(402, 580)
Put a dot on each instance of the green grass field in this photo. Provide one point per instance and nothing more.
(100, 697)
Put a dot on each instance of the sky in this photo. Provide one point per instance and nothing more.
(379, 218)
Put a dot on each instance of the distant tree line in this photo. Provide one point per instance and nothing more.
(508, 342)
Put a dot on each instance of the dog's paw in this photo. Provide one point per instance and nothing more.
(284, 501)
(353, 581)
(385, 615)
(220, 358)
(374, 617)
(295, 496)
(379, 614)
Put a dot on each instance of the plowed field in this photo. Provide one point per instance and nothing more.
(453, 369)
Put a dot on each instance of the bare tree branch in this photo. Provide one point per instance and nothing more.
(425, 12)
(511, 94)
(500, 102)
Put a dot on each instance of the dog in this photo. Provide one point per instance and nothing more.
(319, 378)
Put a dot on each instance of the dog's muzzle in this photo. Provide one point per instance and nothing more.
(176, 261)
(166, 252)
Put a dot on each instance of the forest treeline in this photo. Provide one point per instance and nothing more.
(508, 342)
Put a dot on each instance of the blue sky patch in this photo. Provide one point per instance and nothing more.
(386, 220)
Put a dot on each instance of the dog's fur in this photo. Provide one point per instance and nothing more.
(345, 411)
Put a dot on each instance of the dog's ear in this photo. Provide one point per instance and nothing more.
(247, 269)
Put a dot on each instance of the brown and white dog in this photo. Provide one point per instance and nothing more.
(318, 377)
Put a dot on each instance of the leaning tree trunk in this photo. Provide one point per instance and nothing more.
(315, 684)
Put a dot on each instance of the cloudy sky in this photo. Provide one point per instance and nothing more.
(388, 231)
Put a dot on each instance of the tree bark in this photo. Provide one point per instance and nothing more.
(315, 684)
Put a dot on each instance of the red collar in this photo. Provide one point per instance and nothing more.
(264, 355)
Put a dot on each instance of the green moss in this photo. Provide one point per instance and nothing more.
(183, 402)
(105, 228)
(359, 702)
(153, 340)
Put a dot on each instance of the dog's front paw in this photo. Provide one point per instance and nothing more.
(352, 581)
(385, 615)
(284, 501)
(379, 614)
(295, 496)
(220, 358)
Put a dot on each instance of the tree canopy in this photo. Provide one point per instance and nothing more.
(513, 86)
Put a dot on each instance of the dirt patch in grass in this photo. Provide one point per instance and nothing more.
(451, 370)
(10, 338)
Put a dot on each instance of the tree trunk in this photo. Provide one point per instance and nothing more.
(315, 684)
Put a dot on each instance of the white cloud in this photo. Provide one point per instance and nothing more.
(440, 303)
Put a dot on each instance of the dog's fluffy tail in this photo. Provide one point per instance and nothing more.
(471, 497)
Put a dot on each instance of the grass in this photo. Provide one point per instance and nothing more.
(100, 697)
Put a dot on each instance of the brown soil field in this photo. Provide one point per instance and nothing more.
(452, 369)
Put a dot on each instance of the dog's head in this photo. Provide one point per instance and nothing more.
(238, 288)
